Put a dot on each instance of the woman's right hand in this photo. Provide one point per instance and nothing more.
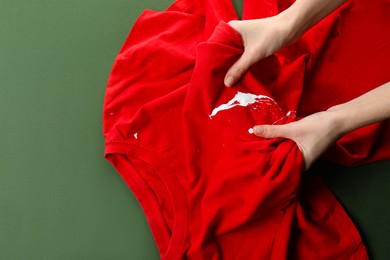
(263, 37)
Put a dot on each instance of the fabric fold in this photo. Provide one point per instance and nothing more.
(182, 142)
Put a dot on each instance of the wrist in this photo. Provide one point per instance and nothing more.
(342, 120)
(291, 25)
(302, 15)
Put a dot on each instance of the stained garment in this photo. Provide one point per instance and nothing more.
(181, 140)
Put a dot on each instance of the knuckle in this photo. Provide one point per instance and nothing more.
(239, 70)
(269, 132)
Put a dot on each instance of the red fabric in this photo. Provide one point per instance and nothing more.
(210, 189)
(353, 60)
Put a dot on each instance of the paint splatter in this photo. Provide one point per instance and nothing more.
(242, 99)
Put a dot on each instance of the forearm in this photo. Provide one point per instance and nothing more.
(304, 14)
(374, 106)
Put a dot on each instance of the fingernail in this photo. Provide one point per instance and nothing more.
(229, 81)
(257, 130)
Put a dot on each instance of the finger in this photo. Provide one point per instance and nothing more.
(234, 24)
(271, 131)
(238, 69)
(284, 131)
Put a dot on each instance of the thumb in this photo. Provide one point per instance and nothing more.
(238, 69)
(284, 131)
(271, 131)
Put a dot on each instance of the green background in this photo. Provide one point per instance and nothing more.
(59, 198)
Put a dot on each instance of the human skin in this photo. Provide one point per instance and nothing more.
(262, 37)
(315, 133)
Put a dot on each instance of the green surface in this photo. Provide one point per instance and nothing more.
(59, 199)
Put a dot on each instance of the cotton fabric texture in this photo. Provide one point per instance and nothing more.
(209, 188)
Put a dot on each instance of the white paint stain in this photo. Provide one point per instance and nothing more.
(242, 99)
(246, 99)
(136, 135)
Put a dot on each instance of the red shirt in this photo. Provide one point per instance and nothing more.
(181, 140)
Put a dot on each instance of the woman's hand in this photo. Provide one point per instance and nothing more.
(261, 38)
(313, 134)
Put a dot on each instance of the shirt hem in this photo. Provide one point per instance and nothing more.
(173, 242)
